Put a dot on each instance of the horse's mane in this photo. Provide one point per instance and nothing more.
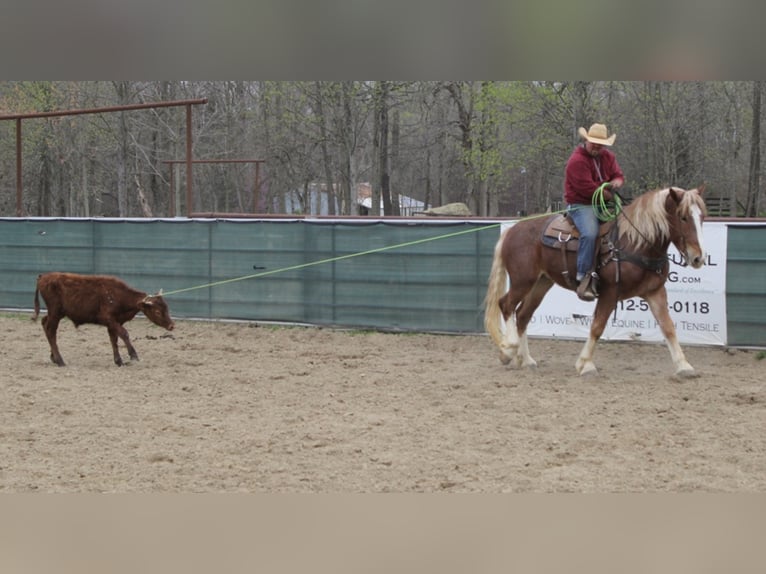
(646, 220)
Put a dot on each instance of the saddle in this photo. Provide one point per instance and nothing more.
(561, 233)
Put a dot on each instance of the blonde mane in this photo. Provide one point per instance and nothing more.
(647, 221)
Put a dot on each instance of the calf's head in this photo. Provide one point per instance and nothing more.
(156, 310)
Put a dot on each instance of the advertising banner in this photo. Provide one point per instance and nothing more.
(696, 302)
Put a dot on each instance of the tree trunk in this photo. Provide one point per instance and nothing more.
(465, 117)
(123, 98)
(427, 198)
(326, 160)
(85, 187)
(396, 204)
(375, 178)
(383, 166)
(754, 179)
(44, 199)
(347, 198)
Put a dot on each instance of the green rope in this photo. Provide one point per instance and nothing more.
(349, 256)
(330, 260)
(606, 210)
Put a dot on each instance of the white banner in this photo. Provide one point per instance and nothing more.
(696, 301)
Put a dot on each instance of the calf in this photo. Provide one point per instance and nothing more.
(99, 300)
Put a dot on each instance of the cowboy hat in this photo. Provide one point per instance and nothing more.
(597, 134)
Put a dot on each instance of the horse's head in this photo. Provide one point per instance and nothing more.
(686, 210)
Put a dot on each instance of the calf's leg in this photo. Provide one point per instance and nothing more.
(115, 350)
(116, 330)
(50, 325)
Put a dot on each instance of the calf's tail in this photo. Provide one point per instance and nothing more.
(37, 304)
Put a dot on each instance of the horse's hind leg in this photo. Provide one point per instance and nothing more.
(513, 346)
(524, 314)
(509, 344)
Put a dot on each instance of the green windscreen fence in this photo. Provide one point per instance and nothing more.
(420, 275)
(416, 275)
(746, 285)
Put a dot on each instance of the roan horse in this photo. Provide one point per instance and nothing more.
(632, 261)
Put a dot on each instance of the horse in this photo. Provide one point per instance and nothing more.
(631, 261)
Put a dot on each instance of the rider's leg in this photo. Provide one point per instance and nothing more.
(584, 217)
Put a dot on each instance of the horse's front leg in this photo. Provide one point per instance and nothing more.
(584, 364)
(658, 303)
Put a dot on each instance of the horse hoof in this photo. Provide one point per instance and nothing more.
(589, 371)
(686, 374)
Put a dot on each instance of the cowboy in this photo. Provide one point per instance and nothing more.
(590, 165)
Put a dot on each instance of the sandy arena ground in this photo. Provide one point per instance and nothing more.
(235, 407)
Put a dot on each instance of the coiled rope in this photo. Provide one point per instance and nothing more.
(606, 210)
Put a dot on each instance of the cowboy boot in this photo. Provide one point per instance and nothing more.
(584, 289)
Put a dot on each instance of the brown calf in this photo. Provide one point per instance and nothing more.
(99, 300)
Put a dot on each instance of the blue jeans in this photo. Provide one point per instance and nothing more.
(584, 217)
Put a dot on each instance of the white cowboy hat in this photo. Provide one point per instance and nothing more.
(597, 134)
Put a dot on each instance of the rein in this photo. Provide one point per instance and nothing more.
(656, 264)
(607, 212)
(651, 263)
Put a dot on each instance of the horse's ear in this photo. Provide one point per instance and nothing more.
(676, 194)
(701, 188)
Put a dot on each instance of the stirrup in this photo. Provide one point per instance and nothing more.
(586, 290)
(594, 283)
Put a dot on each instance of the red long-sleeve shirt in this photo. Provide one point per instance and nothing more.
(584, 173)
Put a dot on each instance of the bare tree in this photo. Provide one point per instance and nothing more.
(346, 147)
(500, 147)
(122, 89)
(384, 176)
(754, 179)
(324, 145)
(462, 97)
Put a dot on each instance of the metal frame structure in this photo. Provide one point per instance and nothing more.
(127, 107)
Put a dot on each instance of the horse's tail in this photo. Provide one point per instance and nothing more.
(496, 288)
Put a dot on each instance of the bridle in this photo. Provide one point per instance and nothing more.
(654, 264)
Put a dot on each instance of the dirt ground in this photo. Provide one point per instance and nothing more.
(237, 407)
